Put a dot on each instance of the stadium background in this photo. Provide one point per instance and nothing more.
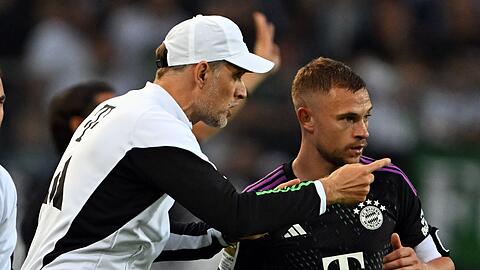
(420, 59)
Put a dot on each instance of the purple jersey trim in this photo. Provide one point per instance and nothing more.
(265, 180)
(392, 169)
(274, 184)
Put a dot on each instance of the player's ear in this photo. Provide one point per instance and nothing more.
(304, 116)
(74, 122)
(201, 73)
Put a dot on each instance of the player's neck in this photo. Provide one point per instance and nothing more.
(310, 165)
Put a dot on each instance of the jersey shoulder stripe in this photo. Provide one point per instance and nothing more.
(270, 178)
(392, 169)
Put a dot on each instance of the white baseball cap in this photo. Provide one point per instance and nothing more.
(211, 38)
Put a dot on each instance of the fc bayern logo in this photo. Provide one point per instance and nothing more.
(370, 214)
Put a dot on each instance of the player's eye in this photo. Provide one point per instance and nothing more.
(238, 75)
(350, 118)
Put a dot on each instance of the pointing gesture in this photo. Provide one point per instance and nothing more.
(350, 183)
(378, 164)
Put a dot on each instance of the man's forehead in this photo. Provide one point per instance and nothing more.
(355, 102)
(234, 68)
(342, 94)
(341, 99)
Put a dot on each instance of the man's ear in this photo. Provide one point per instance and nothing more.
(305, 118)
(74, 122)
(200, 73)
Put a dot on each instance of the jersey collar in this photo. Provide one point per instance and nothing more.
(288, 169)
(168, 103)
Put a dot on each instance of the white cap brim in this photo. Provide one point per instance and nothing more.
(251, 62)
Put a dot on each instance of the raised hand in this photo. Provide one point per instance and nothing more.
(265, 46)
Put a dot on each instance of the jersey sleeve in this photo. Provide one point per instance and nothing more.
(191, 241)
(8, 214)
(198, 186)
(413, 227)
(434, 232)
(431, 247)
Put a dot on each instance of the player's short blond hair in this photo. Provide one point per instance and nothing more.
(321, 75)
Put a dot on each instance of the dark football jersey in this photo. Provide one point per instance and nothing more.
(344, 237)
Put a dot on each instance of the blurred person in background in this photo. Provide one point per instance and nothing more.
(386, 231)
(8, 206)
(69, 108)
(131, 49)
(66, 43)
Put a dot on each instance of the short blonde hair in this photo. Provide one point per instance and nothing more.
(321, 75)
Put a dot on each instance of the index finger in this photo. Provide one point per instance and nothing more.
(378, 164)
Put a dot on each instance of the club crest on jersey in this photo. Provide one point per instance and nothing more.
(370, 214)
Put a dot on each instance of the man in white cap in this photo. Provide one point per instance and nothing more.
(107, 205)
(8, 206)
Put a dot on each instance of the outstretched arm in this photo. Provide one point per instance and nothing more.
(265, 47)
(200, 188)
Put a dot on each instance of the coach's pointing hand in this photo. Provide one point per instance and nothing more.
(350, 183)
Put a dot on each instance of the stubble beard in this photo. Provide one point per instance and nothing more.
(218, 120)
(335, 157)
(211, 116)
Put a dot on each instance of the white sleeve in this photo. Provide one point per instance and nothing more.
(179, 241)
(426, 250)
(191, 241)
(323, 196)
(8, 215)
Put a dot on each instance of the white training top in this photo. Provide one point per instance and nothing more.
(149, 110)
(8, 215)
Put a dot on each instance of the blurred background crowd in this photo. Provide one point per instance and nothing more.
(419, 58)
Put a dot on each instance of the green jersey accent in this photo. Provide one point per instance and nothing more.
(286, 189)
